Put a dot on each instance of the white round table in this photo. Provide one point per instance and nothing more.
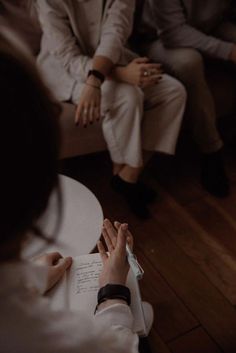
(80, 226)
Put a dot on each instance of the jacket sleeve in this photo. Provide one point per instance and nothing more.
(175, 32)
(60, 40)
(116, 29)
(78, 332)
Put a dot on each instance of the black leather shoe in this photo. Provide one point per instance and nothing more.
(214, 178)
(146, 192)
(131, 193)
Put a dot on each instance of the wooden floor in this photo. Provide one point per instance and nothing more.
(187, 249)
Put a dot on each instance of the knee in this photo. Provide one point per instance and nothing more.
(190, 67)
(177, 91)
(133, 96)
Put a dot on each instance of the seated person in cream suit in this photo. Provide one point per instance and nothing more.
(84, 60)
(185, 36)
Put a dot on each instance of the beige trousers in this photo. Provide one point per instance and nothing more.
(135, 120)
(188, 66)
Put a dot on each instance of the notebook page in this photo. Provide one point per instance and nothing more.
(83, 287)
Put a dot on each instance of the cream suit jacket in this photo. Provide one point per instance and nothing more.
(76, 30)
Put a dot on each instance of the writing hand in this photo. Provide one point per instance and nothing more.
(57, 266)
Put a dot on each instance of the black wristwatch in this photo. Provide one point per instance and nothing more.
(114, 291)
(97, 74)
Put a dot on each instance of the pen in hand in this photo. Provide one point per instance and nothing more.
(134, 265)
(133, 262)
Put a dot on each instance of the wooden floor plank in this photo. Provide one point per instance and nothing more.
(181, 182)
(213, 259)
(215, 224)
(172, 318)
(210, 307)
(156, 343)
(196, 341)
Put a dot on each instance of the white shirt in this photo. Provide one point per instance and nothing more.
(28, 325)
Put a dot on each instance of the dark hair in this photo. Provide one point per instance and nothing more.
(29, 143)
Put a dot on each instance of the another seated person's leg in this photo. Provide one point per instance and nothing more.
(164, 109)
(226, 31)
(187, 65)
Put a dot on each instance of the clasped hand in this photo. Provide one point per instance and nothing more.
(139, 72)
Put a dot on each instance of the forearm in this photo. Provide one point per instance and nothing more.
(177, 32)
(117, 74)
(103, 65)
(117, 319)
(116, 29)
(187, 36)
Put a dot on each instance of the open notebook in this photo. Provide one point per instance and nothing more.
(78, 290)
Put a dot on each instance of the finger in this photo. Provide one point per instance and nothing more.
(85, 113)
(97, 113)
(151, 80)
(108, 241)
(121, 239)
(110, 231)
(117, 225)
(151, 66)
(63, 264)
(91, 114)
(141, 60)
(53, 257)
(130, 240)
(102, 251)
(78, 114)
(156, 72)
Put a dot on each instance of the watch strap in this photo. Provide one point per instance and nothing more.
(97, 74)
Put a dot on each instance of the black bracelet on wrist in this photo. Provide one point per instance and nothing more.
(97, 74)
(114, 291)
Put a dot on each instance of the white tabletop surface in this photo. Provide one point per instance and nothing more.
(80, 226)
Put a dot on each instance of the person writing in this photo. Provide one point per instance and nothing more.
(30, 141)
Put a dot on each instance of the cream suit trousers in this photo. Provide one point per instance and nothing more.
(136, 120)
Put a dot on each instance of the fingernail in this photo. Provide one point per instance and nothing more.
(124, 227)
